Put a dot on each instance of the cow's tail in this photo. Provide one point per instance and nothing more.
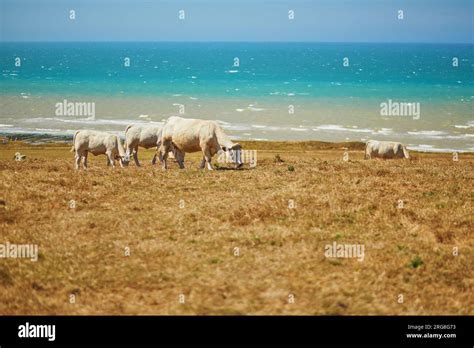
(126, 130)
(74, 141)
(159, 138)
(119, 146)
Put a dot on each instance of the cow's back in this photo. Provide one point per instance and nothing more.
(149, 136)
(385, 149)
(95, 142)
(145, 136)
(132, 133)
(187, 134)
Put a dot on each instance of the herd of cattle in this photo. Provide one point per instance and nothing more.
(180, 136)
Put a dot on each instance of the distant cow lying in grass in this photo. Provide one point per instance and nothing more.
(98, 143)
(385, 149)
(192, 135)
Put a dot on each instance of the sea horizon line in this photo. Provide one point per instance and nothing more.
(243, 41)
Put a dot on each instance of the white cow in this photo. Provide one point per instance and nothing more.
(192, 135)
(98, 143)
(145, 136)
(385, 149)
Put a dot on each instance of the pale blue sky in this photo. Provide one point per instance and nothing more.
(238, 20)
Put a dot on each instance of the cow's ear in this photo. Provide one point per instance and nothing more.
(224, 148)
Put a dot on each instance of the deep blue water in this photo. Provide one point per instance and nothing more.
(266, 69)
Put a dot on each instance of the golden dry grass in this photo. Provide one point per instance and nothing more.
(190, 250)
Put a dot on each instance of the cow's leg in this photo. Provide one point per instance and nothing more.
(135, 156)
(207, 156)
(84, 163)
(78, 160)
(179, 155)
(164, 149)
(203, 163)
(160, 157)
(111, 160)
(157, 154)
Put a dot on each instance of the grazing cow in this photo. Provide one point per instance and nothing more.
(192, 135)
(385, 149)
(145, 136)
(98, 143)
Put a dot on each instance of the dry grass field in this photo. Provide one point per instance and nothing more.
(181, 228)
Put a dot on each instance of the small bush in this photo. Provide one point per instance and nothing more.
(416, 262)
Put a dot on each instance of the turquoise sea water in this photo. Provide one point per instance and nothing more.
(252, 94)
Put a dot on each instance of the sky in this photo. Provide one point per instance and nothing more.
(448, 21)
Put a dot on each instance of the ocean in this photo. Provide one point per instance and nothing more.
(420, 94)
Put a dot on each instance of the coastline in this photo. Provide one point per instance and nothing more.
(34, 139)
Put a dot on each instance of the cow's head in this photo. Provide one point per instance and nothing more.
(405, 152)
(235, 153)
(401, 151)
(124, 159)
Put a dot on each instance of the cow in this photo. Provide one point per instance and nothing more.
(19, 157)
(145, 136)
(193, 135)
(385, 150)
(98, 143)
